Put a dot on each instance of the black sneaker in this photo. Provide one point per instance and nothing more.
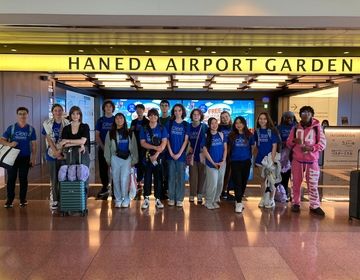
(223, 195)
(8, 204)
(23, 203)
(230, 197)
(317, 211)
(295, 208)
(103, 192)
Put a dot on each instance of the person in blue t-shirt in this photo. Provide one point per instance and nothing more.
(153, 139)
(178, 130)
(266, 137)
(135, 127)
(225, 128)
(121, 154)
(197, 136)
(21, 136)
(52, 129)
(215, 151)
(240, 144)
(103, 125)
(288, 121)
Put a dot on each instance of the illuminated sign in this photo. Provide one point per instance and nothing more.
(181, 64)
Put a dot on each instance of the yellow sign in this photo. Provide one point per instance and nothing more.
(181, 64)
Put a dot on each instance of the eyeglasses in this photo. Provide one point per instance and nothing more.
(305, 113)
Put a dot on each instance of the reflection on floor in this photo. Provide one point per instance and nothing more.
(176, 243)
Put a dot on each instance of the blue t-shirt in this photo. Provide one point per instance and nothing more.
(22, 137)
(284, 131)
(193, 133)
(216, 149)
(122, 143)
(177, 133)
(159, 132)
(56, 128)
(264, 143)
(225, 129)
(103, 125)
(241, 148)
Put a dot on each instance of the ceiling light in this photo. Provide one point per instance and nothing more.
(164, 52)
(190, 84)
(125, 84)
(147, 51)
(111, 77)
(279, 52)
(191, 77)
(147, 86)
(110, 47)
(264, 85)
(81, 51)
(213, 51)
(70, 77)
(301, 86)
(13, 50)
(180, 51)
(229, 79)
(314, 79)
(152, 79)
(346, 52)
(224, 86)
(272, 78)
(79, 84)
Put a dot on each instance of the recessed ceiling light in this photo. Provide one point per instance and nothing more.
(147, 51)
(346, 52)
(180, 51)
(13, 50)
(110, 47)
(81, 51)
(279, 52)
(5, 46)
(163, 51)
(213, 51)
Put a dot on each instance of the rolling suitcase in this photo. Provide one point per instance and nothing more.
(354, 194)
(73, 193)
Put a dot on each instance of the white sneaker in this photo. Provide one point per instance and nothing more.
(209, 206)
(191, 198)
(264, 200)
(171, 202)
(118, 204)
(239, 207)
(159, 204)
(125, 203)
(54, 205)
(146, 203)
(179, 203)
(199, 199)
(216, 205)
(270, 204)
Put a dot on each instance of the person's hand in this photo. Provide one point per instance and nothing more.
(297, 141)
(82, 149)
(158, 149)
(32, 161)
(63, 142)
(13, 144)
(222, 163)
(153, 158)
(307, 149)
(176, 157)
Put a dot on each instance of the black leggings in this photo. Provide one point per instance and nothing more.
(240, 175)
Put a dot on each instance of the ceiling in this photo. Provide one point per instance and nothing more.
(242, 83)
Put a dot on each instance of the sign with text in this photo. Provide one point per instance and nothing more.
(181, 64)
(342, 147)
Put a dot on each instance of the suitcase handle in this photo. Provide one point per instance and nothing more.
(70, 150)
(358, 158)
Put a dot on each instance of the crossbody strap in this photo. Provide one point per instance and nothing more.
(197, 138)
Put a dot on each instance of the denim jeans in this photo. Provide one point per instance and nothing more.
(176, 180)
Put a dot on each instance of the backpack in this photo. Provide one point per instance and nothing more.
(280, 195)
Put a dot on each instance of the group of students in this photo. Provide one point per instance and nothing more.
(160, 147)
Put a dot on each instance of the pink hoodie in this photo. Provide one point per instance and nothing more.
(308, 136)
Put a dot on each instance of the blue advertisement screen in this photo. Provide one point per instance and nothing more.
(210, 108)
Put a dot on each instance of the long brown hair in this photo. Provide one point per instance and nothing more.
(234, 132)
(269, 124)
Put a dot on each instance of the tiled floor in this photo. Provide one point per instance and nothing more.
(173, 243)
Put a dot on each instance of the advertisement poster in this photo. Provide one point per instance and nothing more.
(342, 147)
(210, 108)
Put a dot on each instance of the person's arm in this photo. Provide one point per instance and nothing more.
(98, 140)
(208, 157)
(164, 142)
(4, 142)
(183, 147)
(224, 155)
(273, 151)
(33, 153)
(107, 149)
(52, 145)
